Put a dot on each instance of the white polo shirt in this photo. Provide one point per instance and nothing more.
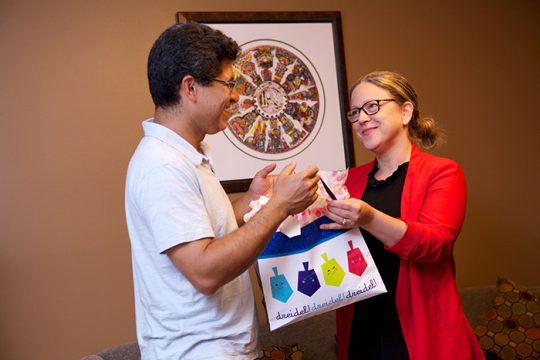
(173, 197)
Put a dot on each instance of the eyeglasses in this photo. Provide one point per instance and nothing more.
(370, 108)
(229, 84)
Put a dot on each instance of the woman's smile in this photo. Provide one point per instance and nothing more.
(368, 130)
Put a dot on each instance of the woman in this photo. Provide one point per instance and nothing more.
(409, 206)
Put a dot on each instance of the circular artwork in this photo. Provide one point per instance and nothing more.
(277, 115)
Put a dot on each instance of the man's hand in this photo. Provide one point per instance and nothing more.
(293, 193)
(202, 261)
(297, 191)
(262, 184)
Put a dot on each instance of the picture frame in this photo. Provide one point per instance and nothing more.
(302, 118)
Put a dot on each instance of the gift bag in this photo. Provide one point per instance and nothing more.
(305, 271)
(315, 272)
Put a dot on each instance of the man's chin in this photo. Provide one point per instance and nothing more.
(223, 123)
(222, 126)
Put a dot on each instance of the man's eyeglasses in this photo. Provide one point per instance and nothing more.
(370, 108)
(229, 84)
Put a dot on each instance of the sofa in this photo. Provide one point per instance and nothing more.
(316, 336)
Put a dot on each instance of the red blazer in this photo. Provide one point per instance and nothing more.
(428, 305)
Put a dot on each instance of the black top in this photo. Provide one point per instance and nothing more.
(376, 332)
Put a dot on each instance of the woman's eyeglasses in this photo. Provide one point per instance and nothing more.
(370, 108)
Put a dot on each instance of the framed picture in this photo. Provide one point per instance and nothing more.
(292, 89)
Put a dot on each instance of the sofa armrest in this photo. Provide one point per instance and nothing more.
(128, 351)
(475, 301)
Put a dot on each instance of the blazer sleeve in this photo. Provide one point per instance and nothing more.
(436, 210)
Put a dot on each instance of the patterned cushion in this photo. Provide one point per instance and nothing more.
(510, 328)
(284, 352)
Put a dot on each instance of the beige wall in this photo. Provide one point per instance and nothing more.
(73, 93)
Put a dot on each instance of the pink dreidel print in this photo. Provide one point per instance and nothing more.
(357, 263)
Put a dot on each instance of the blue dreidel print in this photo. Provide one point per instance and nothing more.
(333, 273)
(308, 282)
(281, 290)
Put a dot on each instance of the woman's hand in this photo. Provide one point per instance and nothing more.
(347, 214)
(353, 212)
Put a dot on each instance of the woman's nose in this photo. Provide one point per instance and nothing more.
(363, 117)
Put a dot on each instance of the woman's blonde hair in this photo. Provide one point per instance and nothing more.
(421, 129)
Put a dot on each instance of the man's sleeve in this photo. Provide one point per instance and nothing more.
(172, 205)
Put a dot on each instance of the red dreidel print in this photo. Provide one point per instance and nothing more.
(357, 263)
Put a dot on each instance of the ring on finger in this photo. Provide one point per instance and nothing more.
(344, 221)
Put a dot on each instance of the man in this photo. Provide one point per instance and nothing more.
(191, 249)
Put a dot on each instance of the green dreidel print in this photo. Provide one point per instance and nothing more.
(333, 273)
(281, 290)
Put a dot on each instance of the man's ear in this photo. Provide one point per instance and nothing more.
(188, 89)
(407, 110)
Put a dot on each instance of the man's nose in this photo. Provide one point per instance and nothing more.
(235, 96)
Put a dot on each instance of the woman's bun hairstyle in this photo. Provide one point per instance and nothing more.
(422, 129)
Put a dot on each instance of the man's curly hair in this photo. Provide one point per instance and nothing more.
(186, 49)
